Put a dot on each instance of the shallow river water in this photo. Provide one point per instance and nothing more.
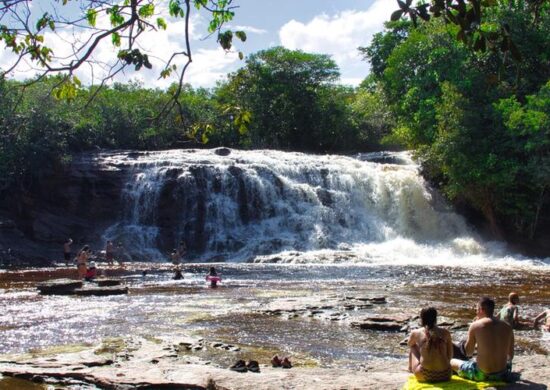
(159, 306)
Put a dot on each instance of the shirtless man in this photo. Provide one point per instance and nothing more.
(540, 318)
(495, 346)
(67, 251)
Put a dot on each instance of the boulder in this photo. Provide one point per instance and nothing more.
(222, 151)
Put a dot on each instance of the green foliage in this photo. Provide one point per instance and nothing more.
(287, 99)
(477, 119)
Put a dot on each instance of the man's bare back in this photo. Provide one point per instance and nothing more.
(494, 340)
(495, 344)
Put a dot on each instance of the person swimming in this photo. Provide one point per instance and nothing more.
(91, 272)
(543, 317)
(431, 349)
(213, 277)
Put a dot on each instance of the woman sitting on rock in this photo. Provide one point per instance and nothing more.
(431, 349)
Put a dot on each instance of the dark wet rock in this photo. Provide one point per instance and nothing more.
(108, 282)
(384, 326)
(375, 300)
(385, 323)
(459, 326)
(59, 287)
(222, 151)
(101, 291)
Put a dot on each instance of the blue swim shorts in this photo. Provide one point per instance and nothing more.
(471, 371)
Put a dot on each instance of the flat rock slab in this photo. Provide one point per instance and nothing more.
(150, 365)
(384, 326)
(59, 287)
(101, 291)
(108, 282)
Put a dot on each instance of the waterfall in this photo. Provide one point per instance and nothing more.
(264, 205)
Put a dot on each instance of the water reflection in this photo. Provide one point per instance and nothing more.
(159, 306)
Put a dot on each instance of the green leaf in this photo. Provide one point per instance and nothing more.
(115, 38)
(225, 39)
(241, 55)
(241, 35)
(147, 11)
(174, 8)
(91, 16)
(161, 23)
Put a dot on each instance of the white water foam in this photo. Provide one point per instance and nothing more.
(269, 206)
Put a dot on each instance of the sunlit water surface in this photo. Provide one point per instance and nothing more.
(159, 306)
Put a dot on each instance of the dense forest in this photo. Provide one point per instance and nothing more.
(478, 120)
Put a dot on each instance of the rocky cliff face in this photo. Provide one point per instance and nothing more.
(78, 203)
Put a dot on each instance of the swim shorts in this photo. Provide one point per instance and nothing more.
(471, 371)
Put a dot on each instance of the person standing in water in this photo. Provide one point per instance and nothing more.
(82, 261)
(213, 277)
(120, 252)
(431, 349)
(110, 252)
(182, 250)
(175, 257)
(67, 251)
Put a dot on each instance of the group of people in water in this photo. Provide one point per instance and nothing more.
(88, 271)
(433, 357)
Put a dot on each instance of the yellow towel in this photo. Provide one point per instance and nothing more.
(456, 383)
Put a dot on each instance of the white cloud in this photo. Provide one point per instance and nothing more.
(210, 65)
(249, 29)
(339, 35)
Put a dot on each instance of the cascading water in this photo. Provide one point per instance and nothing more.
(268, 205)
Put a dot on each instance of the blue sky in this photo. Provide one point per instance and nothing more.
(329, 27)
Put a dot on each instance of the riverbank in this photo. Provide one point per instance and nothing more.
(152, 364)
(343, 325)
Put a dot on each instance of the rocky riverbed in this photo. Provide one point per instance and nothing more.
(342, 326)
(171, 364)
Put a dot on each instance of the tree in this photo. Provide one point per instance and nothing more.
(470, 18)
(477, 119)
(292, 100)
(29, 36)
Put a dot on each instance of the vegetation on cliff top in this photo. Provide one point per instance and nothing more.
(473, 103)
